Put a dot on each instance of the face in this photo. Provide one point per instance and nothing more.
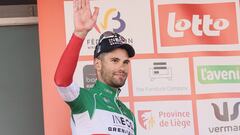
(112, 67)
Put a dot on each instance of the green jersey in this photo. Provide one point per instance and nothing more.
(97, 111)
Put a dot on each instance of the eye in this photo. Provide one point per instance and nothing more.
(115, 60)
(126, 62)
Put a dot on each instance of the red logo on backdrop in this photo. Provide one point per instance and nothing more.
(146, 119)
(186, 24)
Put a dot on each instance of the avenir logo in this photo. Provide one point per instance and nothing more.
(214, 74)
(187, 24)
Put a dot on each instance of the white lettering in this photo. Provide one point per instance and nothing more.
(220, 74)
(176, 28)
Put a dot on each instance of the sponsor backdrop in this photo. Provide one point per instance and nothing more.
(185, 77)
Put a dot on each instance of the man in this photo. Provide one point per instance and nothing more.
(96, 111)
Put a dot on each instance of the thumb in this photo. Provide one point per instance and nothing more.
(95, 13)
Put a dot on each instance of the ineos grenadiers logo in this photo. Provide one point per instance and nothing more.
(121, 125)
(214, 74)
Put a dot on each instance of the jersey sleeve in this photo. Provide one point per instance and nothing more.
(64, 73)
(78, 99)
(68, 62)
(69, 93)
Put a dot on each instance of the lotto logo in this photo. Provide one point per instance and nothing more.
(182, 25)
(188, 24)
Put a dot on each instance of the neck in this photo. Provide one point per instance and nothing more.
(108, 84)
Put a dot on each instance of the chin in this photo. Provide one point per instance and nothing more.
(118, 85)
(121, 84)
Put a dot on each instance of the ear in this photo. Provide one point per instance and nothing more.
(97, 64)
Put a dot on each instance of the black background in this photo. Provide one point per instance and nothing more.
(17, 2)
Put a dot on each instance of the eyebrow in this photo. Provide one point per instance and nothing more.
(116, 58)
(128, 61)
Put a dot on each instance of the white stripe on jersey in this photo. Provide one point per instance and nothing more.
(70, 92)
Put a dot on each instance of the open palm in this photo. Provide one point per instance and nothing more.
(84, 20)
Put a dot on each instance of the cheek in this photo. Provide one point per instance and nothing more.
(126, 68)
(106, 68)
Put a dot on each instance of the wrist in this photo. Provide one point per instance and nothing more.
(80, 34)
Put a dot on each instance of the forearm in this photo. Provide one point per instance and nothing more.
(68, 62)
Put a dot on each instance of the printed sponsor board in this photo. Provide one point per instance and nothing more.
(161, 77)
(212, 75)
(171, 117)
(117, 16)
(219, 116)
(217, 74)
(196, 26)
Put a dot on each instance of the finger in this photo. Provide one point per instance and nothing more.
(75, 6)
(79, 4)
(95, 13)
(83, 3)
(87, 4)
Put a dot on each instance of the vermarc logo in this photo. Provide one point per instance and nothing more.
(229, 123)
(225, 116)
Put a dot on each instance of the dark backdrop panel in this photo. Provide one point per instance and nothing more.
(21, 110)
(17, 2)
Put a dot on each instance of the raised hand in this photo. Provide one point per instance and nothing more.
(84, 20)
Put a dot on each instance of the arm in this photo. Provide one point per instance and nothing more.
(68, 62)
(84, 21)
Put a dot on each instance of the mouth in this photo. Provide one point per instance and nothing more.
(121, 75)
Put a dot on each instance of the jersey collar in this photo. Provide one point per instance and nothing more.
(106, 90)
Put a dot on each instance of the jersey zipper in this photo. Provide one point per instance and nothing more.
(115, 100)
